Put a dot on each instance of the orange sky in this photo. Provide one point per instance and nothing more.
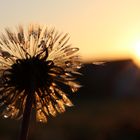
(102, 29)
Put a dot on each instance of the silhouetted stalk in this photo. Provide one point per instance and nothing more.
(26, 116)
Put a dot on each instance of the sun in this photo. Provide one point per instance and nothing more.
(136, 53)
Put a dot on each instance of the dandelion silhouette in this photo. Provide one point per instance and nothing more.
(34, 65)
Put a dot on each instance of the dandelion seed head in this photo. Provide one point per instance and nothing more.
(39, 58)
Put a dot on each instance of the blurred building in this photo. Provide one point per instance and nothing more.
(110, 80)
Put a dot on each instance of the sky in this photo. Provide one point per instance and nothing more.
(102, 29)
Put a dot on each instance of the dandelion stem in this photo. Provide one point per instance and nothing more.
(26, 116)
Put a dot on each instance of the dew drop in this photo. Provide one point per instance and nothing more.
(78, 67)
(5, 116)
(40, 120)
(7, 108)
(74, 89)
(68, 63)
(70, 51)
